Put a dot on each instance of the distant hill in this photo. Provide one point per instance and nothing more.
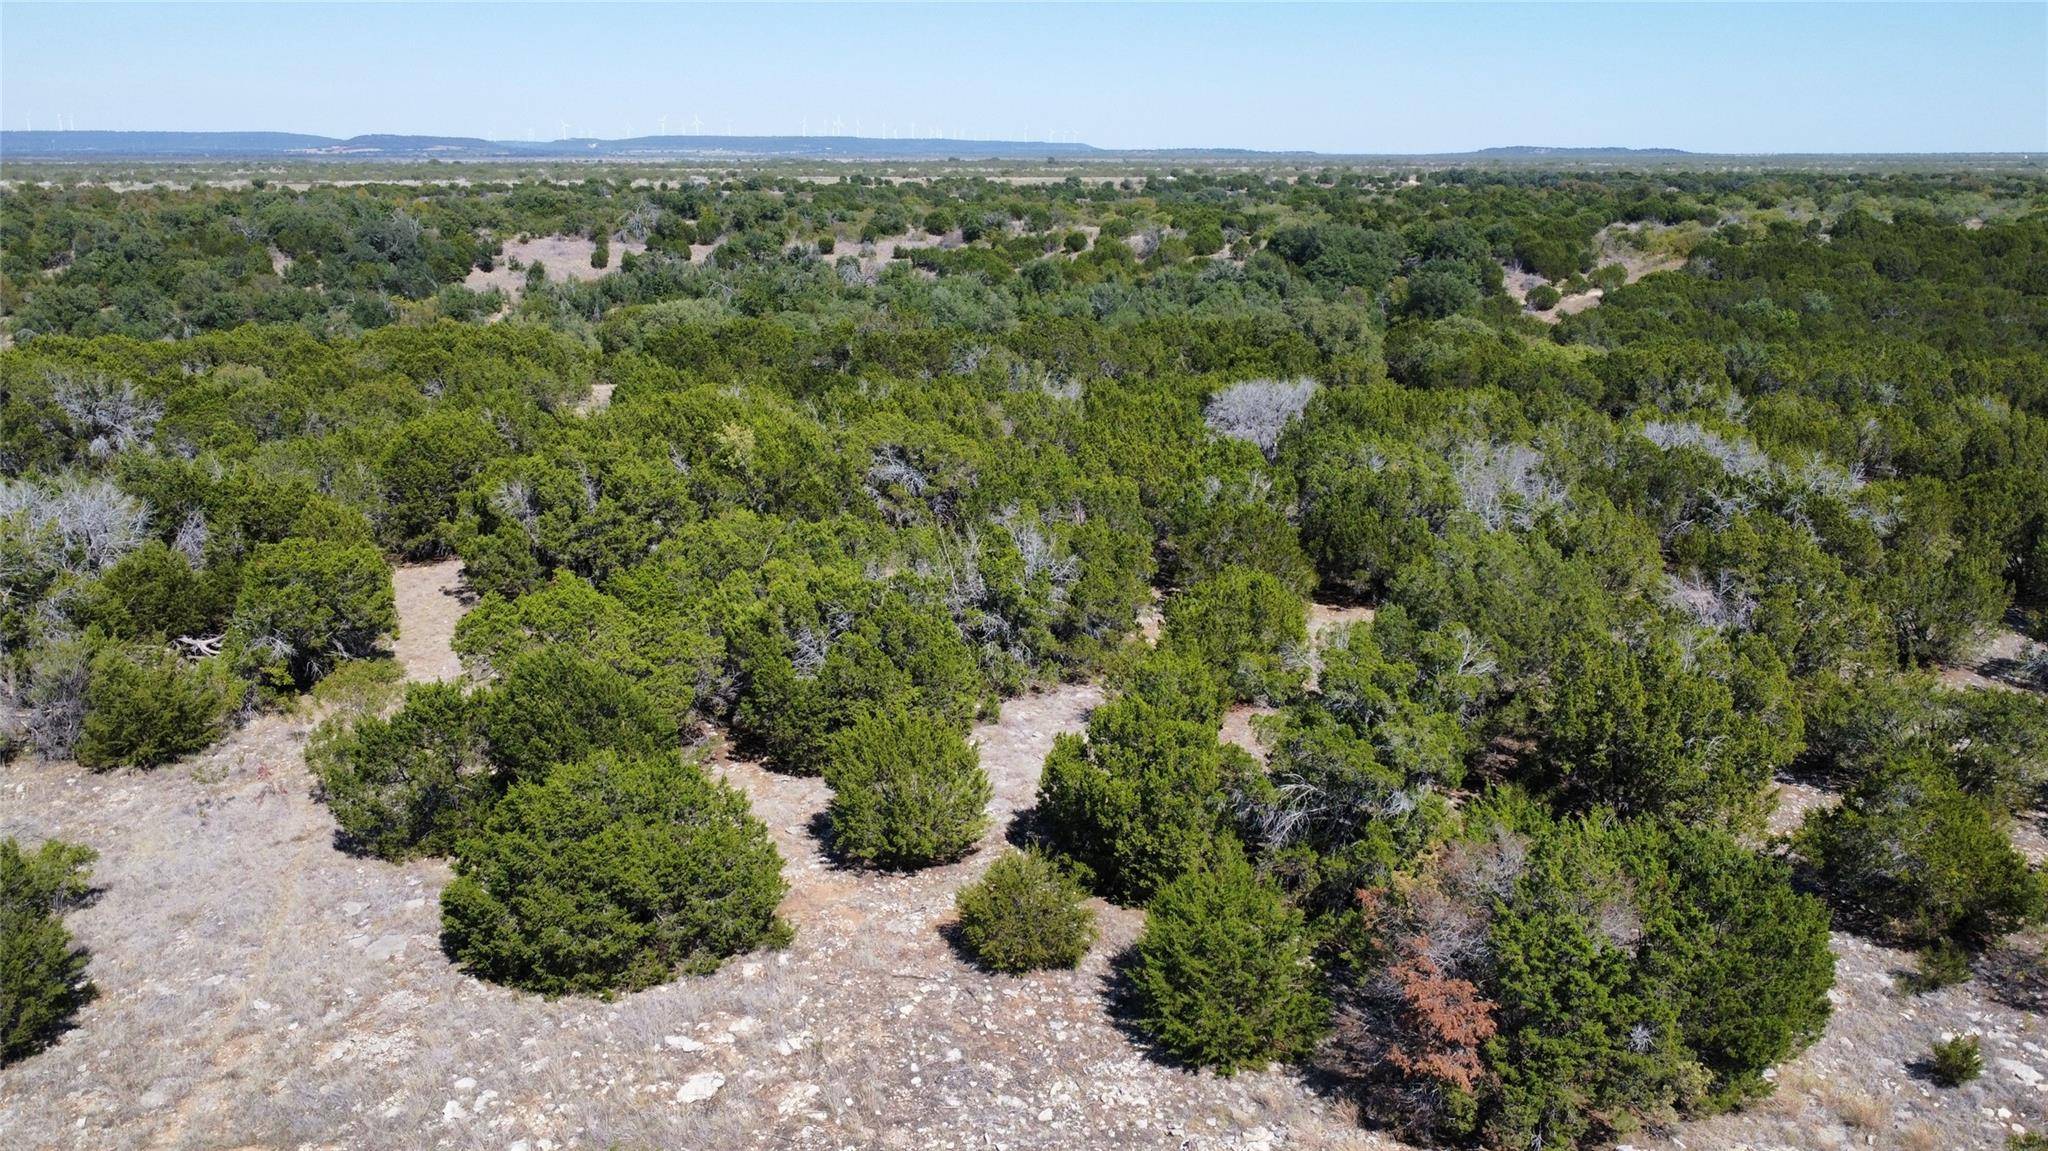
(1535, 152)
(289, 145)
(255, 146)
(72, 144)
(285, 145)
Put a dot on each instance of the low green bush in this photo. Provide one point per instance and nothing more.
(1179, 685)
(662, 651)
(1025, 914)
(1145, 798)
(1221, 975)
(1910, 851)
(42, 974)
(612, 874)
(1957, 1060)
(153, 592)
(907, 791)
(895, 656)
(411, 784)
(145, 709)
(1939, 964)
(1249, 627)
(307, 604)
(554, 707)
(358, 687)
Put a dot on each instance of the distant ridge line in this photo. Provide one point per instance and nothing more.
(291, 145)
(18, 145)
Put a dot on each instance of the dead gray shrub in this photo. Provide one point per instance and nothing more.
(1257, 411)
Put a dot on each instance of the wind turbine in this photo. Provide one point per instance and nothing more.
(565, 131)
(696, 125)
(664, 123)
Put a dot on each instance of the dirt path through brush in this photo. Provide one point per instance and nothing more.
(232, 1044)
(431, 600)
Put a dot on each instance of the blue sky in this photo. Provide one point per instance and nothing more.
(1341, 78)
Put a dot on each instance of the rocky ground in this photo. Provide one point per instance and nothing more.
(1862, 1085)
(259, 989)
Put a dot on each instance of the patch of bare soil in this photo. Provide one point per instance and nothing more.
(2028, 837)
(1795, 799)
(1622, 244)
(1324, 617)
(431, 599)
(1240, 726)
(565, 257)
(1615, 244)
(874, 255)
(1518, 283)
(1152, 618)
(2006, 660)
(1573, 305)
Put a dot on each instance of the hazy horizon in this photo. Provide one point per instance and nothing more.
(1388, 79)
(1536, 150)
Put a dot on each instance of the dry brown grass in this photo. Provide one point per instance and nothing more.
(1795, 1088)
(1922, 1136)
(1861, 1110)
